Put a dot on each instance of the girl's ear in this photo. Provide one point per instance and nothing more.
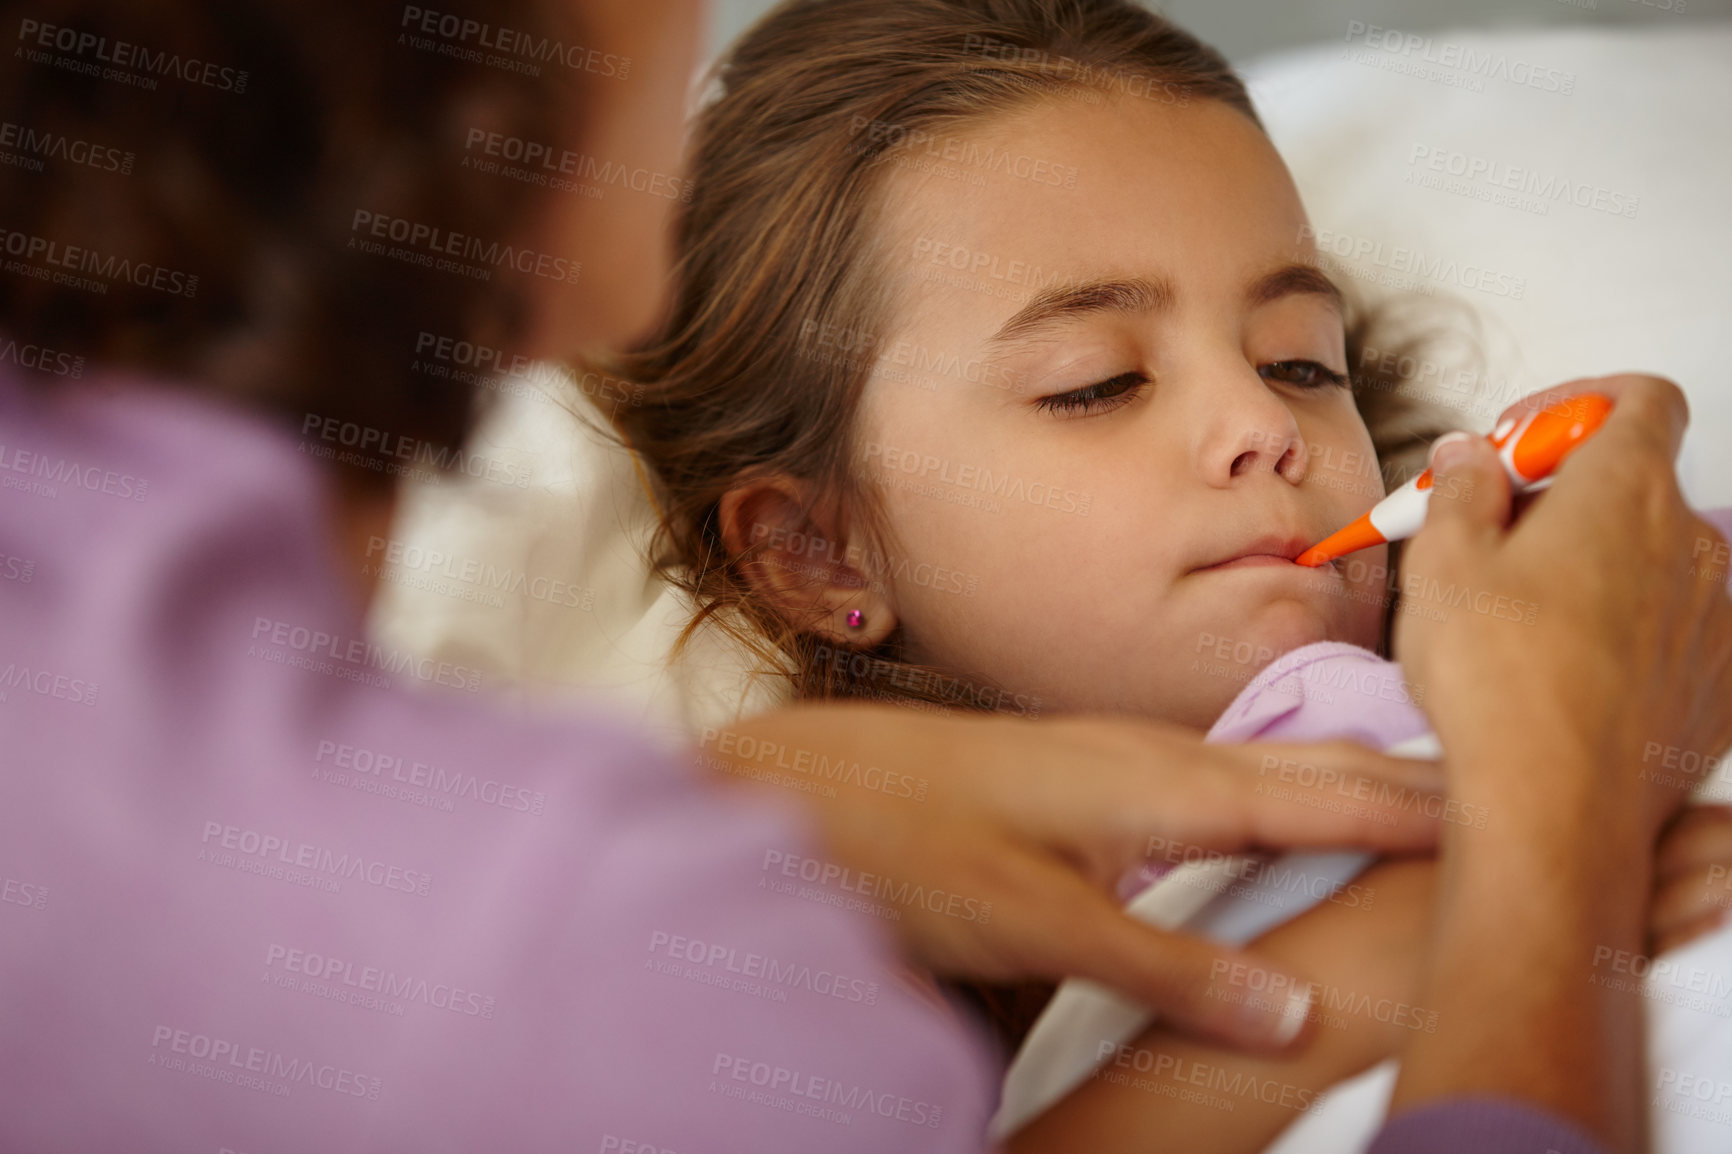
(802, 561)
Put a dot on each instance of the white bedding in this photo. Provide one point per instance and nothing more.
(1644, 129)
(536, 569)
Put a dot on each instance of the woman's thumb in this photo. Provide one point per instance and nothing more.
(1469, 489)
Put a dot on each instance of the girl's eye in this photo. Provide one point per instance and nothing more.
(1302, 374)
(1107, 394)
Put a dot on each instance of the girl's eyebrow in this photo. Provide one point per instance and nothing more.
(1147, 295)
(1063, 302)
(1291, 279)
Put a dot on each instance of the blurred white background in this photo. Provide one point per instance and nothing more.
(1243, 29)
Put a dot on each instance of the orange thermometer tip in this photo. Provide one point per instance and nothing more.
(1362, 534)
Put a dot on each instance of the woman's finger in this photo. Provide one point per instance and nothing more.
(1693, 877)
(1682, 934)
(1684, 899)
(1336, 794)
(1616, 387)
(1023, 912)
(1134, 786)
(1696, 840)
(1206, 990)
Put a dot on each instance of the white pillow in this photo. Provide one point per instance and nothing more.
(532, 563)
(1631, 122)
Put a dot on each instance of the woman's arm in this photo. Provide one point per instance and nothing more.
(1165, 1091)
(1632, 649)
(1032, 822)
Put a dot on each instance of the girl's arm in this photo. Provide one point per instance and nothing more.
(1165, 1091)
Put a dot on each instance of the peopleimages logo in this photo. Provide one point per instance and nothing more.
(223, 844)
(399, 453)
(42, 145)
(875, 886)
(364, 980)
(41, 359)
(133, 63)
(797, 1084)
(1460, 60)
(79, 475)
(1414, 262)
(41, 257)
(429, 245)
(538, 163)
(1499, 176)
(763, 967)
(351, 657)
(365, 762)
(225, 1060)
(510, 49)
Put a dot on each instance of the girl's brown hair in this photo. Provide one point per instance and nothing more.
(779, 297)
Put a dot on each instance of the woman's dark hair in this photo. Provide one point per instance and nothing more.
(226, 193)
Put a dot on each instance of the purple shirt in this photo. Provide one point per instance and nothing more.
(1481, 1126)
(258, 897)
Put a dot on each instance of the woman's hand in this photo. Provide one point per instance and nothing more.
(1036, 820)
(1630, 651)
(1565, 731)
(1692, 878)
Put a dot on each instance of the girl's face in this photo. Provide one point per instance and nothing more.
(1113, 402)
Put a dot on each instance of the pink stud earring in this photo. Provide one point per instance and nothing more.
(856, 619)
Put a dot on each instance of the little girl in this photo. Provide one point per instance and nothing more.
(1001, 373)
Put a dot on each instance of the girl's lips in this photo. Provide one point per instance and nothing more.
(1251, 560)
(1269, 549)
(1267, 561)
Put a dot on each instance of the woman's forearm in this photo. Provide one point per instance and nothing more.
(1529, 914)
(1630, 649)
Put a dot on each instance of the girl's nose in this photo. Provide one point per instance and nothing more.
(1263, 447)
(1246, 429)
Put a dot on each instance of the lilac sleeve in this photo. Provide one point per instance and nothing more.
(267, 884)
(1484, 1126)
(1326, 691)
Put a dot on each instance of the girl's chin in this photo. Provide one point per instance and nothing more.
(1250, 642)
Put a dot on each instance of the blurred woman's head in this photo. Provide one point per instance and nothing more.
(289, 202)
